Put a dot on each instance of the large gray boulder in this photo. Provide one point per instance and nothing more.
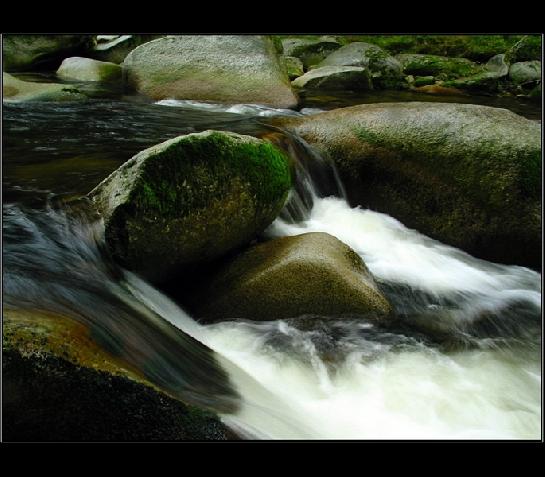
(309, 274)
(191, 199)
(335, 78)
(86, 69)
(464, 174)
(14, 89)
(25, 52)
(221, 68)
(385, 70)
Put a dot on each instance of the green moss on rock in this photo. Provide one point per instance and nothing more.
(464, 174)
(16, 90)
(59, 385)
(191, 199)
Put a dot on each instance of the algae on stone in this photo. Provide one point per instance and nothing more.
(465, 174)
(16, 90)
(191, 199)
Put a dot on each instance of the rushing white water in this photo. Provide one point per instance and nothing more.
(239, 108)
(371, 384)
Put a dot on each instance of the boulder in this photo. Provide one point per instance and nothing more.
(488, 80)
(309, 274)
(26, 52)
(86, 69)
(191, 199)
(335, 78)
(435, 65)
(464, 174)
(115, 48)
(14, 89)
(310, 51)
(525, 72)
(294, 67)
(59, 385)
(385, 70)
(221, 68)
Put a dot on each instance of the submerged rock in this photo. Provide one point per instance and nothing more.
(309, 274)
(310, 51)
(464, 174)
(14, 89)
(335, 77)
(224, 68)
(86, 69)
(191, 199)
(58, 385)
(385, 70)
(25, 52)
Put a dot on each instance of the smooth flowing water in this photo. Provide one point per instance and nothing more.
(463, 359)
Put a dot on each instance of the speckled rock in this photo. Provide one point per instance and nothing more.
(26, 52)
(14, 89)
(309, 274)
(191, 199)
(58, 385)
(385, 70)
(86, 69)
(334, 78)
(222, 68)
(464, 174)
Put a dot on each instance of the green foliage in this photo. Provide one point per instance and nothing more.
(474, 47)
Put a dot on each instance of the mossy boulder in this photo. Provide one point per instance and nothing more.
(14, 89)
(309, 274)
(191, 199)
(294, 67)
(423, 81)
(221, 68)
(311, 51)
(385, 70)
(335, 78)
(86, 69)
(27, 52)
(115, 48)
(435, 65)
(488, 79)
(59, 385)
(525, 72)
(467, 175)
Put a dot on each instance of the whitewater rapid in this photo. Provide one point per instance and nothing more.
(351, 380)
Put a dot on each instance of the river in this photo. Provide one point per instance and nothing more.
(463, 360)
